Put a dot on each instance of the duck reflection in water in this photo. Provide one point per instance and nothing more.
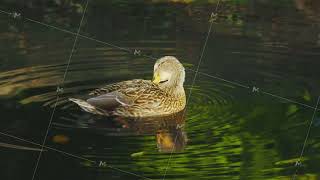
(168, 130)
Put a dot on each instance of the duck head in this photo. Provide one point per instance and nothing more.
(169, 74)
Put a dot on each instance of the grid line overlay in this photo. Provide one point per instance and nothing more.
(69, 154)
(238, 84)
(130, 51)
(192, 84)
(298, 163)
(42, 146)
(45, 147)
(57, 93)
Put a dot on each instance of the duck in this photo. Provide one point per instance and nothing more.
(163, 95)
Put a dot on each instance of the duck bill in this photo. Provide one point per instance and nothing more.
(156, 79)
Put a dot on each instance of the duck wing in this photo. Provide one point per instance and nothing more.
(110, 100)
(127, 98)
(109, 97)
(135, 83)
(145, 100)
(123, 93)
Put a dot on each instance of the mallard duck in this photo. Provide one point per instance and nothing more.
(141, 98)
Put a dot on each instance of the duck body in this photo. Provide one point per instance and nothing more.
(141, 98)
(133, 98)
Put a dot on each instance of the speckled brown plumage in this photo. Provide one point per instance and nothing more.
(145, 99)
(141, 98)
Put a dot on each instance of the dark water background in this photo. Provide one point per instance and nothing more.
(231, 132)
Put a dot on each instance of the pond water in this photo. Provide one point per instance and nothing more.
(248, 115)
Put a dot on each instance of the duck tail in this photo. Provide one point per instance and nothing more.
(88, 107)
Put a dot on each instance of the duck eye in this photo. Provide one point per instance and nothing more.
(163, 81)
